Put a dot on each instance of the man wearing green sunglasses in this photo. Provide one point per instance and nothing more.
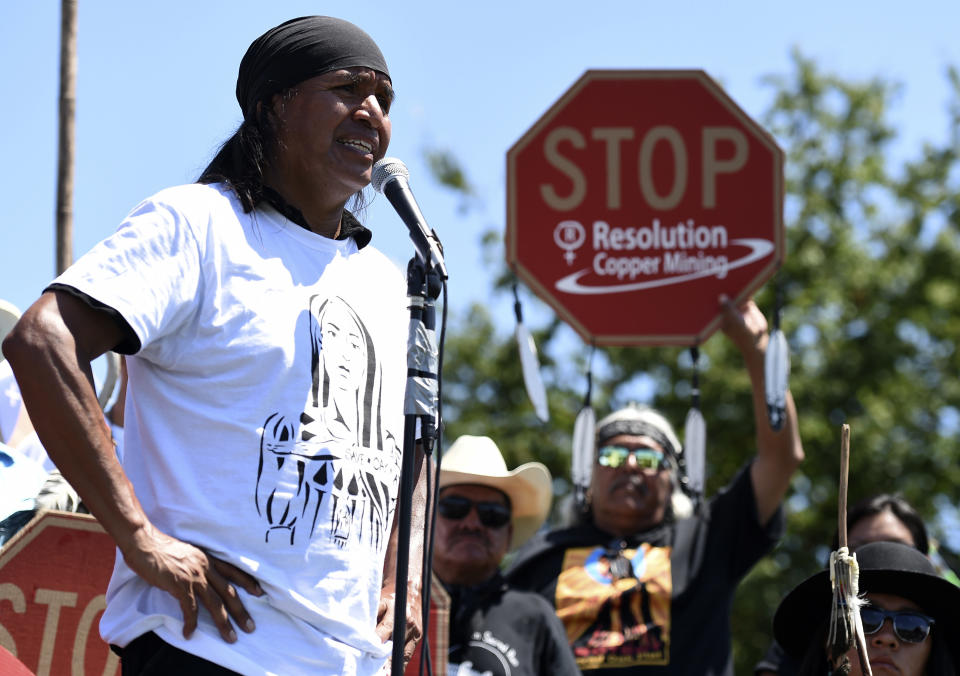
(645, 580)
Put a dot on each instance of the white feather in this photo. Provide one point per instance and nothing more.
(531, 372)
(776, 374)
(694, 448)
(584, 431)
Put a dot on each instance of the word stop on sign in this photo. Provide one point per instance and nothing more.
(713, 163)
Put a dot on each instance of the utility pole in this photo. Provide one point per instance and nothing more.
(67, 134)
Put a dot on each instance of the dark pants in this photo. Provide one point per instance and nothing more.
(149, 655)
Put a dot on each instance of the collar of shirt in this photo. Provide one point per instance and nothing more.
(349, 225)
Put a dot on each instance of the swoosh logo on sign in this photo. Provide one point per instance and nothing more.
(759, 248)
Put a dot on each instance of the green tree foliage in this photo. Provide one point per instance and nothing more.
(871, 295)
(484, 394)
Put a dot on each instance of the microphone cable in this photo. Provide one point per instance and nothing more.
(433, 489)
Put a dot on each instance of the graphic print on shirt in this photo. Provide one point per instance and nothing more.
(616, 621)
(483, 655)
(331, 468)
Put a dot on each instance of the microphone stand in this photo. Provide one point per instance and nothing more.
(420, 403)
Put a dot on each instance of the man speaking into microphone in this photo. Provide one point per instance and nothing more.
(266, 358)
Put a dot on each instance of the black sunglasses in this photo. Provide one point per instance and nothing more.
(909, 625)
(491, 514)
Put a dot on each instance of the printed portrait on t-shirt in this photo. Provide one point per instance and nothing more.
(616, 620)
(344, 352)
(483, 655)
(328, 472)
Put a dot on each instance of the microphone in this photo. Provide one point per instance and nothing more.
(391, 178)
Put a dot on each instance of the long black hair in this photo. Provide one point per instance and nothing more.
(896, 505)
(242, 160)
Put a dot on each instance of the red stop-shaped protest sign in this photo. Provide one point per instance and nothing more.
(637, 199)
(53, 583)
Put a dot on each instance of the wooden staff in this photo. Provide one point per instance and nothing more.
(844, 479)
(848, 627)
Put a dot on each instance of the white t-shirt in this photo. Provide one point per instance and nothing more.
(10, 405)
(21, 478)
(10, 400)
(263, 421)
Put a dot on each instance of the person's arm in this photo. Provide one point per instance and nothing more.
(779, 453)
(50, 350)
(414, 615)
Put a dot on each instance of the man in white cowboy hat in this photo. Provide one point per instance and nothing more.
(479, 624)
(644, 584)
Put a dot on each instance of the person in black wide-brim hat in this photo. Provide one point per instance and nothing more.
(911, 616)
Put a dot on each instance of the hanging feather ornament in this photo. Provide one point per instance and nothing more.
(695, 434)
(777, 371)
(530, 363)
(845, 628)
(584, 435)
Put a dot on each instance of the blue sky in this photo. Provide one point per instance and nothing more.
(155, 94)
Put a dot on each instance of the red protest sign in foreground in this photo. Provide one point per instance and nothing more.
(53, 581)
(637, 199)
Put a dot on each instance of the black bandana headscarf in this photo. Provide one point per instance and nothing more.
(299, 49)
